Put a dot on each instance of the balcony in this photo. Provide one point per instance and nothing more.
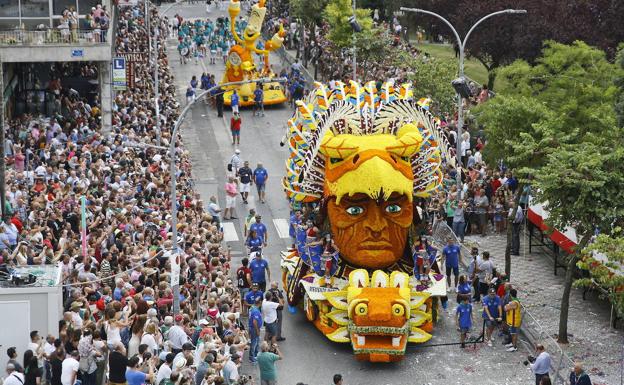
(53, 37)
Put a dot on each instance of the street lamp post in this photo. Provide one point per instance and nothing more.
(462, 46)
(354, 48)
(173, 171)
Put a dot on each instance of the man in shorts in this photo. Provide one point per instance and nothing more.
(260, 176)
(492, 313)
(235, 127)
(451, 254)
(244, 175)
(234, 102)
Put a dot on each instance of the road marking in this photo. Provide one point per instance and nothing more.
(229, 232)
(282, 226)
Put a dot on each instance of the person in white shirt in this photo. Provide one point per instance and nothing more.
(177, 336)
(164, 372)
(70, 367)
(269, 316)
(13, 376)
(230, 369)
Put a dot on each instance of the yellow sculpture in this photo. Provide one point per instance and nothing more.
(240, 64)
(363, 154)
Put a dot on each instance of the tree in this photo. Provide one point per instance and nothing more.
(310, 12)
(502, 39)
(619, 82)
(603, 258)
(431, 77)
(337, 14)
(570, 141)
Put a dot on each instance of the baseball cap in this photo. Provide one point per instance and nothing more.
(237, 151)
(492, 290)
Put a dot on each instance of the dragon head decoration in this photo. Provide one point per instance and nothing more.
(378, 316)
(366, 153)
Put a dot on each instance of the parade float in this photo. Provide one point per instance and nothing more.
(240, 64)
(362, 157)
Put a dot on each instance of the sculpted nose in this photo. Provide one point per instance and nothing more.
(375, 222)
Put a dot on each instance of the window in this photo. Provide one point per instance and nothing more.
(35, 8)
(60, 5)
(9, 8)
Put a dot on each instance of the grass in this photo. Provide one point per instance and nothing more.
(472, 67)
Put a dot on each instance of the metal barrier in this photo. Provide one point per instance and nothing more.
(53, 37)
(531, 329)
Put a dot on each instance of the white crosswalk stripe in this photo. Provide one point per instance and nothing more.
(229, 232)
(282, 226)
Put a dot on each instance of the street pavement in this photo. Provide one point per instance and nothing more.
(592, 341)
(309, 357)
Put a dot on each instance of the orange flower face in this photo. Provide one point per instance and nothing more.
(370, 234)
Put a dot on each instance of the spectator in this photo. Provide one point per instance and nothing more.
(485, 268)
(230, 369)
(117, 364)
(279, 295)
(269, 315)
(266, 363)
(69, 373)
(577, 376)
(337, 379)
(513, 313)
(12, 353)
(541, 366)
(230, 199)
(13, 376)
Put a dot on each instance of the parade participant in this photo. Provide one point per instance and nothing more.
(255, 323)
(249, 219)
(492, 314)
(260, 176)
(269, 315)
(260, 271)
(259, 100)
(295, 222)
(243, 279)
(463, 319)
(253, 242)
(452, 256)
(245, 176)
(260, 229)
(234, 102)
(463, 289)
(235, 127)
(254, 294)
(328, 260)
(279, 295)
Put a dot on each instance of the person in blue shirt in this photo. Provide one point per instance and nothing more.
(464, 288)
(452, 254)
(258, 100)
(234, 101)
(295, 222)
(259, 270)
(255, 323)
(463, 319)
(261, 175)
(253, 242)
(134, 376)
(260, 229)
(252, 295)
(492, 313)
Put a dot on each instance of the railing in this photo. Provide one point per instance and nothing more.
(54, 36)
(531, 328)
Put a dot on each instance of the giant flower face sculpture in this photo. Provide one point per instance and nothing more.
(369, 186)
(366, 153)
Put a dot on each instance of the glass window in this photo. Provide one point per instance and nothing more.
(60, 5)
(9, 24)
(35, 8)
(84, 6)
(36, 24)
(9, 8)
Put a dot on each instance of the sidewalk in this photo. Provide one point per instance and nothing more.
(592, 340)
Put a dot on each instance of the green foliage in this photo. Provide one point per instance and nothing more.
(511, 130)
(309, 11)
(565, 99)
(619, 82)
(337, 14)
(431, 77)
(604, 260)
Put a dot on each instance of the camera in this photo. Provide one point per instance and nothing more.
(530, 359)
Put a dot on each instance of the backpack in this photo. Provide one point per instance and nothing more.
(241, 277)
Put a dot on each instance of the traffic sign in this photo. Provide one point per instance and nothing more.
(120, 81)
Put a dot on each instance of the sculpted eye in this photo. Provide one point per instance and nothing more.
(394, 208)
(361, 309)
(398, 309)
(355, 210)
(335, 160)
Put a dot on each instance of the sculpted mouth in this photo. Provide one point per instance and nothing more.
(376, 245)
(379, 339)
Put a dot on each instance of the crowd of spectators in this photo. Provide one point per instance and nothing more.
(118, 297)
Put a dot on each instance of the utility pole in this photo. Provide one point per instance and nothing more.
(156, 85)
(354, 49)
(2, 166)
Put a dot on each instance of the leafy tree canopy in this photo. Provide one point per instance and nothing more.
(337, 14)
